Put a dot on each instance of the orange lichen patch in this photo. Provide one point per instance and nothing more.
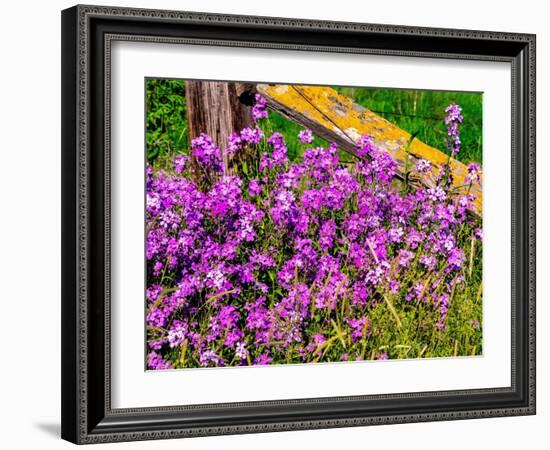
(338, 119)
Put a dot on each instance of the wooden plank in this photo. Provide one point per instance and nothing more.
(337, 118)
(214, 108)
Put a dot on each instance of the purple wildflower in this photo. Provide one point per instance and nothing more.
(262, 360)
(206, 152)
(157, 362)
(254, 187)
(474, 173)
(305, 136)
(259, 109)
(454, 117)
(180, 163)
(423, 166)
(326, 234)
(252, 136)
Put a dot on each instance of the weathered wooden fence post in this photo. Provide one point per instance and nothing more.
(216, 108)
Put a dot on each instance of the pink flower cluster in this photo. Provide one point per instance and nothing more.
(263, 265)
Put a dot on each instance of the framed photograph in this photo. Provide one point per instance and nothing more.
(281, 224)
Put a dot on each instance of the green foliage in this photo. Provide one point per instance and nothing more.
(166, 124)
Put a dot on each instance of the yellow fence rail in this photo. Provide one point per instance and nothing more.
(337, 118)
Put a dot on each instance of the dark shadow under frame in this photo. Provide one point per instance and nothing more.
(87, 33)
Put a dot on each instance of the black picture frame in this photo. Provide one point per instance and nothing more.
(87, 32)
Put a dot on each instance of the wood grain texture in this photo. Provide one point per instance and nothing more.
(214, 108)
(337, 118)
